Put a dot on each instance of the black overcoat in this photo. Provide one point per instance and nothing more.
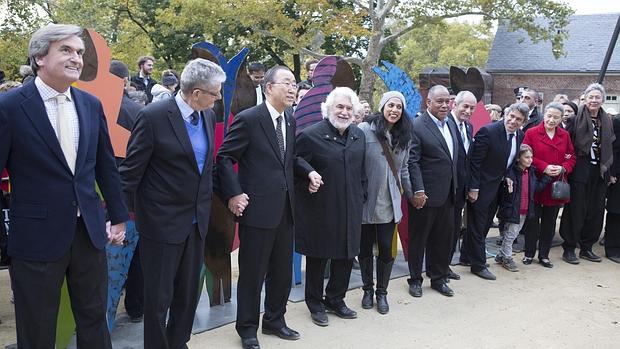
(328, 223)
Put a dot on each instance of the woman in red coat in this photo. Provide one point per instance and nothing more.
(553, 155)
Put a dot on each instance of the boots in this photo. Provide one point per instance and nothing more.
(366, 266)
(384, 270)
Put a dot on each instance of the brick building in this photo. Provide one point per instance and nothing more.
(516, 61)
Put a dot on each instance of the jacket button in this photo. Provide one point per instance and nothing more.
(73, 203)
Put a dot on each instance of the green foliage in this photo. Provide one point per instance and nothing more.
(444, 44)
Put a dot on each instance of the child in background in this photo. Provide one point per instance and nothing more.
(517, 202)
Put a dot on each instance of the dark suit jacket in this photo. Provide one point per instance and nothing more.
(128, 113)
(45, 194)
(534, 119)
(488, 160)
(161, 169)
(430, 166)
(462, 170)
(252, 144)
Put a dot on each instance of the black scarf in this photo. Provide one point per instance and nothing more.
(582, 139)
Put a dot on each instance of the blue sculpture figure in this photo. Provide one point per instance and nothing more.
(397, 80)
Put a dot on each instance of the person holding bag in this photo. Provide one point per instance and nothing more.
(388, 139)
(553, 156)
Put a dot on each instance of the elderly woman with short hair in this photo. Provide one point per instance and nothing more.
(388, 139)
(328, 223)
(554, 156)
(592, 134)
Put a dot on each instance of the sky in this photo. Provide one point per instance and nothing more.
(584, 7)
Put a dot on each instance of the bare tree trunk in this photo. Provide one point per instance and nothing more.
(375, 47)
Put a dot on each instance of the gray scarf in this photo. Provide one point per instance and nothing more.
(582, 138)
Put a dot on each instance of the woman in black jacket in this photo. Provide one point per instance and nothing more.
(521, 183)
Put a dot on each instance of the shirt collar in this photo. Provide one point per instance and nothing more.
(456, 120)
(272, 111)
(47, 92)
(437, 121)
(186, 110)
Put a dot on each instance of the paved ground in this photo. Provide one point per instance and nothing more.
(564, 307)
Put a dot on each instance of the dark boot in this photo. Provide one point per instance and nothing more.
(384, 271)
(366, 266)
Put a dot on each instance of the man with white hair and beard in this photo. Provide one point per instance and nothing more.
(329, 222)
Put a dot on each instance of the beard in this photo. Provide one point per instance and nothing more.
(338, 124)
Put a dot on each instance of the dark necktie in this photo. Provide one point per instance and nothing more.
(510, 145)
(280, 136)
(194, 117)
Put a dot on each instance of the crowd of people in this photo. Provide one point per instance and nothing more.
(333, 192)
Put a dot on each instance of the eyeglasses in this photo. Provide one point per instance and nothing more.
(214, 94)
(291, 85)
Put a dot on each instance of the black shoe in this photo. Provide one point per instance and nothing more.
(569, 257)
(367, 301)
(590, 256)
(342, 311)
(452, 275)
(614, 259)
(250, 343)
(485, 274)
(283, 332)
(136, 319)
(545, 262)
(443, 289)
(527, 260)
(382, 305)
(415, 289)
(320, 318)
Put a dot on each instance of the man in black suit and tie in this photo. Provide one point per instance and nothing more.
(531, 98)
(169, 168)
(494, 150)
(261, 141)
(54, 142)
(465, 104)
(433, 160)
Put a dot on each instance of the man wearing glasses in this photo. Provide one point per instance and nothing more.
(261, 141)
(169, 169)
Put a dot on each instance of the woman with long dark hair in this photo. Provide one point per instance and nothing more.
(388, 139)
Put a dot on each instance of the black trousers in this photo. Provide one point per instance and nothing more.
(582, 220)
(612, 235)
(134, 286)
(171, 277)
(37, 287)
(383, 235)
(265, 255)
(430, 231)
(542, 233)
(337, 286)
(479, 218)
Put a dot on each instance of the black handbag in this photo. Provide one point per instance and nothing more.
(560, 190)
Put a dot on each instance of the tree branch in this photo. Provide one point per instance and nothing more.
(386, 9)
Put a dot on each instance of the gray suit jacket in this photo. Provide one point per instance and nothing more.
(378, 172)
(430, 166)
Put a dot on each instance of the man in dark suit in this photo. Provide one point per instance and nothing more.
(54, 142)
(465, 103)
(495, 148)
(169, 168)
(129, 109)
(261, 141)
(531, 98)
(432, 168)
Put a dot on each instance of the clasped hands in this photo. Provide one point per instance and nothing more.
(238, 203)
(553, 170)
(116, 233)
(419, 200)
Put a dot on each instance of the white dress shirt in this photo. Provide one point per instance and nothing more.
(274, 115)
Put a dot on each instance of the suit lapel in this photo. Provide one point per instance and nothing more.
(34, 108)
(290, 134)
(178, 126)
(85, 124)
(208, 120)
(432, 127)
(267, 124)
